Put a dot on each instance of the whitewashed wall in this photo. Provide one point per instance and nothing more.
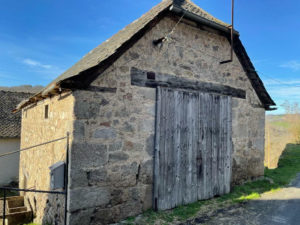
(9, 165)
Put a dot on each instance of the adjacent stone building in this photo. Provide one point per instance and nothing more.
(112, 103)
(10, 130)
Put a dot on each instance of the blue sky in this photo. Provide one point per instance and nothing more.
(39, 39)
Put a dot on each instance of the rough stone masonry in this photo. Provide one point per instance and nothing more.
(112, 144)
(118, 128)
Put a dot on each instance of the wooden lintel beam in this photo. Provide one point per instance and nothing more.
(151, 79)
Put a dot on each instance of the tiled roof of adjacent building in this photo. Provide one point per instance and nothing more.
(10, 123)
(103, 55)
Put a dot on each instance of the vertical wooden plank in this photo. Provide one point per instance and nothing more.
(217, 136)
(166, 148)
(157, 149)
(225, 130)
(162, 181)
(195, 141)
(226, 148)
(176, 149)
(161, 151)
(189, 153)
(184, 148)
(214, 145)
(205, 139)
(181, 150)
(204, 150)
(200, 147)
(219, 144)
(204, 107)
(170, 149)
(222, 125)
(229, 143)
(178, 119)
(209, 144)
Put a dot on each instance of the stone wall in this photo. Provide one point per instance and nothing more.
(35, 163)
(9, 165)
(112, 152)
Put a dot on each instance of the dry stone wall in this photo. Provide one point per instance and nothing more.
(112, 150)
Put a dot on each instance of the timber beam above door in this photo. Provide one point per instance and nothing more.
(144, 78)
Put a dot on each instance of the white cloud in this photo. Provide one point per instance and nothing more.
(294, 65)
(47, 71)
(34, 63)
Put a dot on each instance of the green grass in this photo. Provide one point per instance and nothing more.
(283, 124)
(288, 168)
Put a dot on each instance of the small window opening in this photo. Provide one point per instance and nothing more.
(151, 75)
(46, 111)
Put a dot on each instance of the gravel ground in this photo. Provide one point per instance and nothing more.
(277, 208)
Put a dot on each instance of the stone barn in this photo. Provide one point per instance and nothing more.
(10, 130)
(156, 120)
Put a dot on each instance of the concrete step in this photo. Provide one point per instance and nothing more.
(18, 218)
(15, 202)
(17, 209)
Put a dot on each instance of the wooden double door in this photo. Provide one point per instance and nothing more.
(193, 147)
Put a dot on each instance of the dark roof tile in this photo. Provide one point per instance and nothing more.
(10, 123)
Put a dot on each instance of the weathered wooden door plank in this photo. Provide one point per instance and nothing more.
(156, 150)
(184, 155)
(228, 166)
(178, 100)
(209, 143)
(162, 152)
(195, 128)
(193, 147)
(170, 150)
(222, 116)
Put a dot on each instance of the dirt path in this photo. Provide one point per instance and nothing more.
(281, 207)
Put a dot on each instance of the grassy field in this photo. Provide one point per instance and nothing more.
(278, 135)
(283, 124)
(288, 168)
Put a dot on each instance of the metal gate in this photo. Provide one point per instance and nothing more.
(192, 148)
